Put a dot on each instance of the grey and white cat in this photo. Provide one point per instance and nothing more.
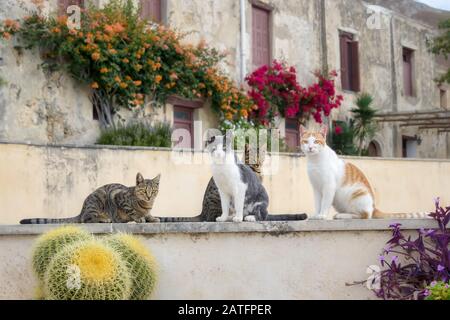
(239, 187)
(212, 205)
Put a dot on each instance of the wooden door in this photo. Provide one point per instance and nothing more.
(183, 119)
(292, 135)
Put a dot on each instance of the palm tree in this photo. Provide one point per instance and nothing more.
(364, 123)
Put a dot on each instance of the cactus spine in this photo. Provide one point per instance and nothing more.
(141, 264)
(87, 270)
(50, 243)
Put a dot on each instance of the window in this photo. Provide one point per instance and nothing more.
(183, 119)
(409, 146)
(349, 62)
(151, 10)
(64, 4)
(408, 72)
(261, 50)
(292, 134)
(443, 98)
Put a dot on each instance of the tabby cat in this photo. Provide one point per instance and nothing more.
(340, 184)
(115, 203)
(212, 206)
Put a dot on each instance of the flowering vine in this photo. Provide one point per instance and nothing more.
(276, 92)
(127, 61)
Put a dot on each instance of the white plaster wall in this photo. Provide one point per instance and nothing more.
(42, 108)
(54, 181)
(297, 265)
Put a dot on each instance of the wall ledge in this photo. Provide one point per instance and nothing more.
(193, 151)
(274, 228)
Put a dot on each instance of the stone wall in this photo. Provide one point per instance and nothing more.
(381, 70)
(297, 260)
(43, 108)
(40, 181)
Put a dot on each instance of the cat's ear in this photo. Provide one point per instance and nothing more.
(139, 179)
(324, 131)
(302, 130)
(210, 141)
(157, 178)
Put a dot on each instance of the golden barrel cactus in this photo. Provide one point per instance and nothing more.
(140, 262)
(88, 270)
(50, 243)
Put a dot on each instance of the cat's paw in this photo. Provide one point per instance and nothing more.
(318, 217)
(250, 218)
(343, 216)
(237, 219)
(222, 219)
(152, 220)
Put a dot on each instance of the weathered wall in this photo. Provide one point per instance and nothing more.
(303, 260)
(54, 109)
(54, 181)
(295, 31)
(41, 107)
(37, 106)
(381, 70)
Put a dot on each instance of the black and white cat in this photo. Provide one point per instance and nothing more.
(239, 187)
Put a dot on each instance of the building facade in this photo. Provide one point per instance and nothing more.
(374, 49)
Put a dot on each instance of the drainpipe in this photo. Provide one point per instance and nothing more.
(324, 56)
(243, 42)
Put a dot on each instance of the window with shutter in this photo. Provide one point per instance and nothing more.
(354, 47)
(349, 49)
(64, 4)
(151, 10)
(261, 50)
(408, 70)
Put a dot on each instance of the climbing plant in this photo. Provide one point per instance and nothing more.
(127, 61)
(440, 45)
(277, 92)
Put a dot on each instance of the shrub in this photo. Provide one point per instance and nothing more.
(157, 135)
(438, 291)
(140, 262)
(87, 270)
(276, 92)
(411, 265)
(343, 137)
(364, 124)
(440, 46)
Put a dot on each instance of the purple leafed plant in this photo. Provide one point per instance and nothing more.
(412, 265)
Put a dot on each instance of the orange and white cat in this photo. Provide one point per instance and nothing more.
(338, 183)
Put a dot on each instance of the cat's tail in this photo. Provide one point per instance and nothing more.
(179, 219)
(51, 221)
(377, 214)
(287, 217)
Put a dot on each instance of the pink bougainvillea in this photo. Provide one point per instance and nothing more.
(276, 91)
